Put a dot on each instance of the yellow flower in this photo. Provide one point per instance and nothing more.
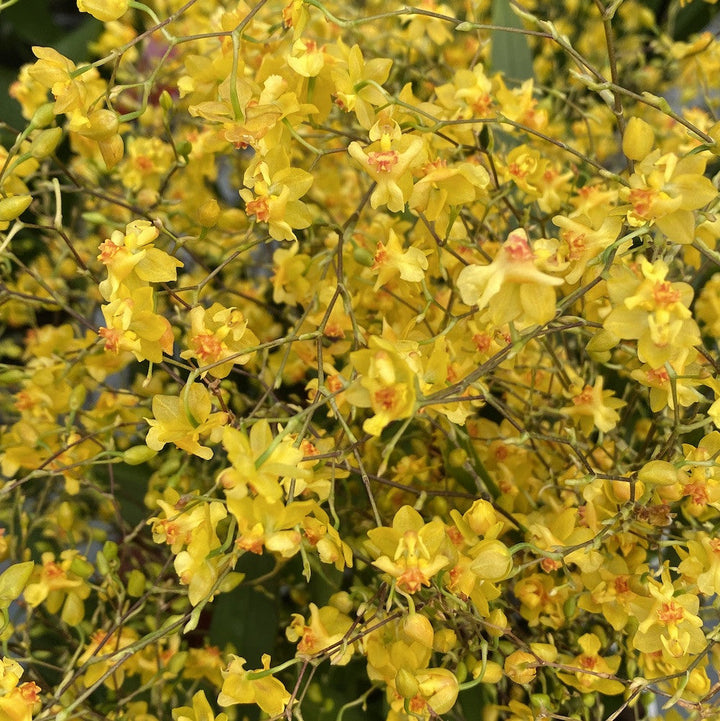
(57, 586)
(259, 687)
(104, 10)
(261, 465)
(443, 186)
(512, 286)
(327, 628)
(200, 710)
(410, 550)
(386, 384)
(132, 325)
(390, 260)
(664, 190)
(652, 310)
(590, 660)
(595, 408)
(389, 162)
(182, 420)
(103, 653)
(132, 260)
(356, 83)
(275, 195)
(218, 333)
(18, 705)
(307, 58)
(668, 621)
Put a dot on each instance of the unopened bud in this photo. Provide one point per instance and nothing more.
(13, 207)
(136, 455)
(45, 143)
(135, 583)
(43, 116)
(363, 256)
(638, 139)
(208, 213)
(112, 151)
(406, 684)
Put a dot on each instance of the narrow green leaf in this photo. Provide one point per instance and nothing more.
(510, 51)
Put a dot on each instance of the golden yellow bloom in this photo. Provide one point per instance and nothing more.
(410, 550)
(182, 420)
(389, 162)
(104, 10)
(512, 286)
(590, 660)
(259, 686)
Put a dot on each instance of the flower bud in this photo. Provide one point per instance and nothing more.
(136, 455)
(492, 561)
(492, 674)
(658, 473)
(13, 580)
(362, 256)
(102, 124)
(418, 628)
(445, 640)
(497, 622)
(440, 687)
(208, 213)
(112, 151)
(81, 567)
(45, 143)
(406, 684)
(166, 101)
(638, 139)
(43, 116)
(135, 583)
(13, 207)
(520, 667)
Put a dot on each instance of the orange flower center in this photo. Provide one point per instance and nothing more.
(482, 342)
(670, 612)
(411, 579)
(29, 692)
(658, 375)
(621, 584)
(108, 250)
(481, 105)
(576, 243)
(259, 208)
(207, 347)
(549, 565)
(697, 492)
(112, 338)
(664, 294)
(386, 398)
(585, 398)
(384, 161)
(517, 248)
(642, 201)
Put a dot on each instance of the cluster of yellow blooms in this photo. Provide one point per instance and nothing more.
(339, 348)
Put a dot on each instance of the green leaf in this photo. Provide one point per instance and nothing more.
(246, 617)
(32, 21)
(510, 51)
(693, 19)
(74, 45)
